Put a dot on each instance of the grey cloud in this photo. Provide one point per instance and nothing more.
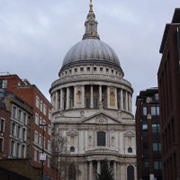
(35, 35)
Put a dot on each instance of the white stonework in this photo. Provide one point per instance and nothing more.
(93, 110)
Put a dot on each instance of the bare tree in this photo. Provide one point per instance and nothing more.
(59, 155)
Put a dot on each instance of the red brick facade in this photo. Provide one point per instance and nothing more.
(41, 112)
(169, 91)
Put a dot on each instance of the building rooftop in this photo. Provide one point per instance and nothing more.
(175, 21)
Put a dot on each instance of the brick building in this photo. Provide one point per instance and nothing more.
(21, 127)
(41, 109)
(149, 163)
(169, 91)
(4, 130)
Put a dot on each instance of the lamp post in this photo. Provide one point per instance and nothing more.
(42, 155)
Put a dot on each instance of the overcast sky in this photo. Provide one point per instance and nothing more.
(35, 35)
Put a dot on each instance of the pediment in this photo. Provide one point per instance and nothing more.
(101, 118)
(129, 134)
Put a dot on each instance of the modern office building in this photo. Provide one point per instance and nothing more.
(149, 166)
(92, 111)
(169, 92)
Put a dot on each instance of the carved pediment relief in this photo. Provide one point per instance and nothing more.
(101, 118)
(72, 132)
(129, 134)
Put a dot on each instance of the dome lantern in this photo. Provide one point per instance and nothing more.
(91, 25)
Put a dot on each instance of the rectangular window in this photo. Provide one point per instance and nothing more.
(49, 130)
(49, 145)
(40, 122)
(144, 126)
(40, 140)
(156, 96)
(155, 146)
(146, 164)
(23, 151)
(4, 84)
(36, 137)
(37, 102)
(156, 165)
(49, 115)
(24, 134)
(160, 147)
(145, 111)
(19, 132)
(37, 119)
(35, 154)
(41, 105)
(13, 133)
(44, 109)
(48, 164)
(101, 138)
(19, 115)
(12, 148)
(14, 112)
(2, 125)
(154, 128)
(44, 122)
(25, 118)
(155, 111)
(1, 144)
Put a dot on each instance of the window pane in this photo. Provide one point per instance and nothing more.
(144, 111)
(101, 138)
(154, 128)
(155, 146)
(144, 126)
(156, 165)
(153, 111)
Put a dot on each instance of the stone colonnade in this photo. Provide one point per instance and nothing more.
(92, 96)
(94, 168)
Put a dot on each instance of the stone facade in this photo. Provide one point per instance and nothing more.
(92, 112)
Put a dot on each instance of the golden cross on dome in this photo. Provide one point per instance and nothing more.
(91, 6)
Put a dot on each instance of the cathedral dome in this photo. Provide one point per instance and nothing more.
(91, 50)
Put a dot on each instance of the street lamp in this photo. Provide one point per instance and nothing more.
(42, 155)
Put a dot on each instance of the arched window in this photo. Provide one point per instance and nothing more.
(101, 138)
(130, 150)
(130, 172)
(72, 149)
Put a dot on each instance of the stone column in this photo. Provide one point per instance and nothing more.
(116, 107)
(56, 101)
(108, 97)
(98, 167)
(129, 102)
(62, 99)
(74, 97)
(108, 164)
(130, 96)
(91, 98)
(121, 91)
(100, 94)
(90, 170)
(67, 98)
(114, 170)
(83, 96)
(126, 101)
